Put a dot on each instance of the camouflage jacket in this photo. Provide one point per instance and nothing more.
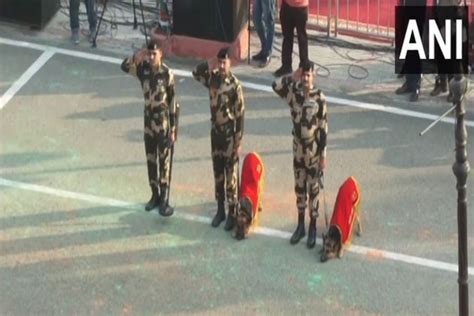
(227, 100)
(158, 90)
(309, 116)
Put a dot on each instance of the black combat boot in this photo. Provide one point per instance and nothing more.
(311, 242)
(164, 208)
(220, 215)
(230, 222)
(155, 198)
(299, 232)
(441, 86)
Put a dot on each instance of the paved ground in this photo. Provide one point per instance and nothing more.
(74, 238)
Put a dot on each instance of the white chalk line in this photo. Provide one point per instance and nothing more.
(250, 85)
(25, 77)
(264, 231)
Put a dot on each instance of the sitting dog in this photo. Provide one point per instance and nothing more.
(346, 211)
(250, 200)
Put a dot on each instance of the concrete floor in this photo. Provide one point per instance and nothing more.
(74, 238)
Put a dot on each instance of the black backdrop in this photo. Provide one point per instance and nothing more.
(35, 13)
(219, 20)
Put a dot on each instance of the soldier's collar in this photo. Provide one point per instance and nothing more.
(313, 91)
(228, 78)
(160, 68)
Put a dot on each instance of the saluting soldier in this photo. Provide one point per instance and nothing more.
(157, 82)
(310, 128)
(227, 127)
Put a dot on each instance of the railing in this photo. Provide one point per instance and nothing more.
(363, 18)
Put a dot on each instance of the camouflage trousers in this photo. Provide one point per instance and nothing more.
(157, 146)
(306, 172)
(225, 165)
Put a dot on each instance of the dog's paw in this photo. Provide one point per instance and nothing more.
(340, 253)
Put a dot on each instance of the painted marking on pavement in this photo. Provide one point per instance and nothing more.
(264, 231)
(250, 85)
(25, 77)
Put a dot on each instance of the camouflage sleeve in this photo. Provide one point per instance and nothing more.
(172, 100)
(282, 86)
(129, 65)
(201, 73)
(322, 128)
(239, 106)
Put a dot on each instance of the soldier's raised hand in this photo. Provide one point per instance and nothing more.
(141, 55)
(297, 74)
(212, 64)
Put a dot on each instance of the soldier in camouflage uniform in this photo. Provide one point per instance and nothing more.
(157, 81)
(227, 118)
(309, 115)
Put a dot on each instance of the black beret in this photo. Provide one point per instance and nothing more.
(153, 45)
(307, 66)
(223, 53)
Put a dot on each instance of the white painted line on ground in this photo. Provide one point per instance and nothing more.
(264, 231)
(393, 110)
(67, 194)
(11, 42)
(250, 85)
(27, 75)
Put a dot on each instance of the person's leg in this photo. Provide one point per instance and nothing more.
(300, 191)
(164, 161)
(258, 22)
(412, 77)
(441, 85)
(218, 167)
(74, 19)
(441, 81)
(150, 150)
(313, 192)
(268, 17)
(287, 27)
(91, 8)
(232, 170)
(413, 83)
(301, 21)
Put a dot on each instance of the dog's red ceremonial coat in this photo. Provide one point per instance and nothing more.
(346, 209)
(251, 184)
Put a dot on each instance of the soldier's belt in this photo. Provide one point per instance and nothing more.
(302, 140)
(223, 128)
(154, 112)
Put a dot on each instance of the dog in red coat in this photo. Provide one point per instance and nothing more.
(346, 212)
(250, 199)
